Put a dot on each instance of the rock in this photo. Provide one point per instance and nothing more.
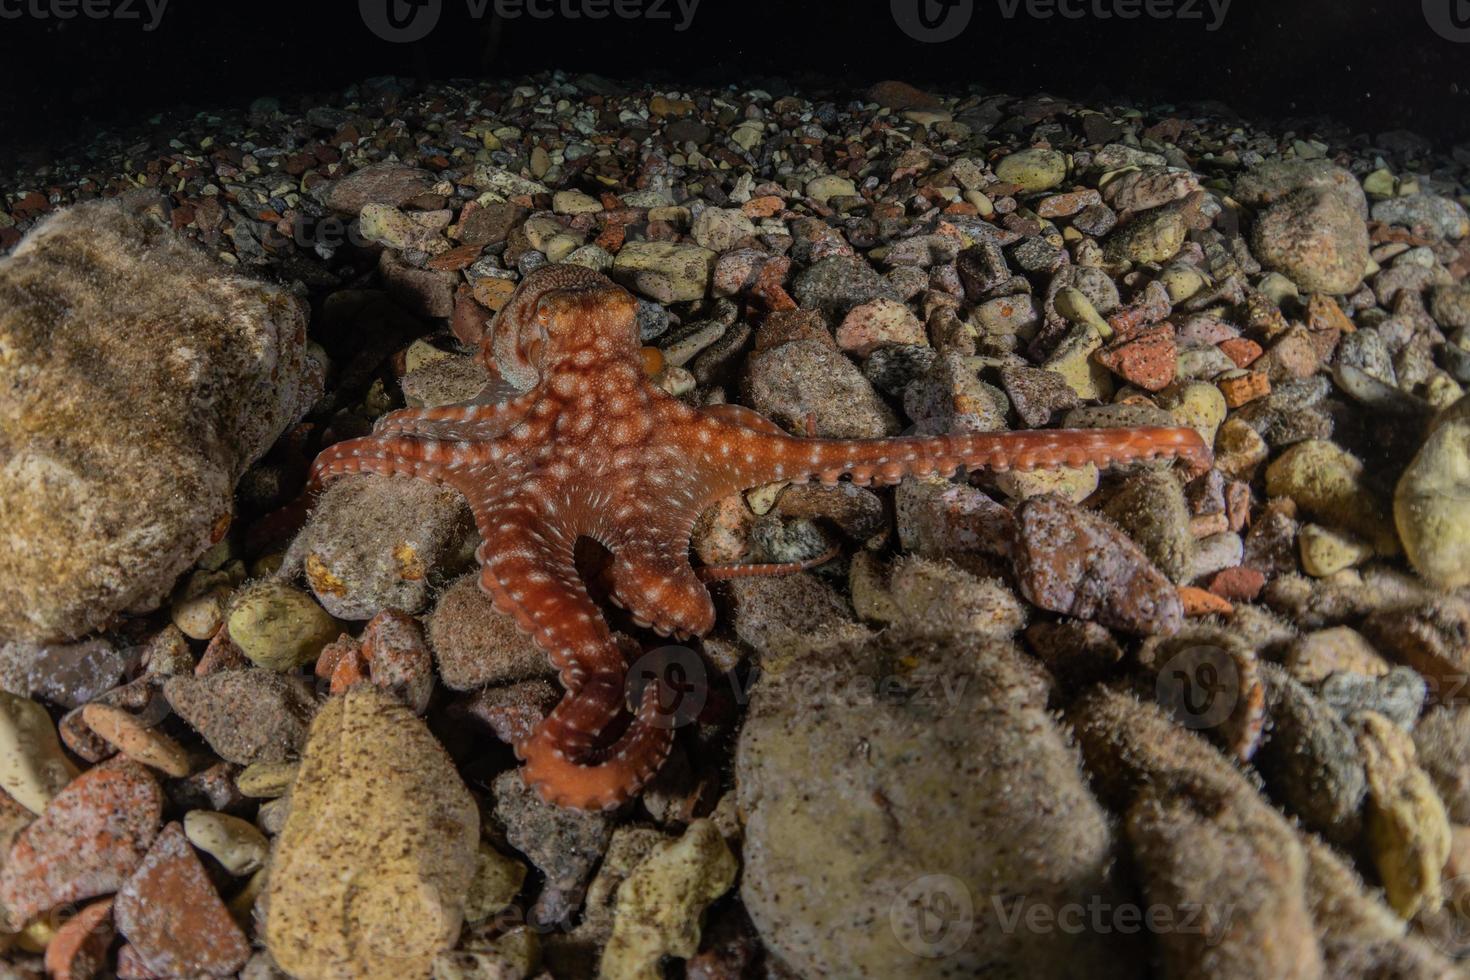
(661, 902)
(1275, 179)
(474, 644)
(246, 716)
(1148, 359)
(236, 844)
(575, 202)
(417, 231)
(1033, 170)
(174, 919)
(1408, 830)
(498, 880)
(1426, 215)
(1073, 361)
(78, 950)
(376, 542)
(720, 229)
(1325, 551)
(964, 748)
(1317, 655)
(837, 283)
(1328, 483)
(1154, 236)
(806, 383)
(564, 845)
(1431, 505)
(1149, 187)
(134, 739)
(71, 674)
(1038, 396)
(1150, 508)
(88, 841)
(201, 370)
(1442, 743)
(942, 598)
(824, 188)
(779, 618)
(1197, 404)
(278, 627)
(398, 659)
(379, 897)
(900, 96)
(1315, 238)
(1071, 561)
(664, 271)
(877, 323)
(391, 184)
(1429, 636)
(1310, 760)
(33, 769)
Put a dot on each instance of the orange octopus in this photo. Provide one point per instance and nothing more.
(571, 441)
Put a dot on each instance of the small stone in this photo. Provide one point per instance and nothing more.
(267, 780)
(1070, 561)
(1073, 483)
(498, 879)
(474, 644)
(419, 232)
(1325, 551)
(665, 271)
(1073, 360)
(1147, 359)
(1316, 238)
(1442, 742)
(236, 844)
(1408, 829)
(837, 283)
(278, 627)
(379, 897)
(1317, 655)
(661, 902)
(808, 384)
(136, 740)
(1039, 396)
(1327, 482)
(721, 229)
(564, 845)
(1429, 637)
(1427, 215)
(1431, 504)
(1155, 236)
(824, 188)
(1309, 759)
(1197, 404)
(391, 184)
(575, 202)
(246, 716)
(173, 917)
(1033, 170)
(1151, 509)
(33, 769)
(878, 323)
(1242, 387)
(88, 841)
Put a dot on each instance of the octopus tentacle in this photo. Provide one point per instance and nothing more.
(764, 459)
(383, 456)
(624, 769)
(475, 420)
(733, 570)
(662, 592)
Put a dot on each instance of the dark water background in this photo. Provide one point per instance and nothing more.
(1374, 64)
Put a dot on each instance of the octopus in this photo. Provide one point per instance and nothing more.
(571, 440)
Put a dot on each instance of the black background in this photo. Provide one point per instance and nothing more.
(1374, 64)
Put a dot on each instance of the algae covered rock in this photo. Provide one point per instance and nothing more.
(372, 869)
(138, 380)
(1432, 503)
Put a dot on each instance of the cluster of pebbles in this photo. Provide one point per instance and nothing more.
(1218, 719)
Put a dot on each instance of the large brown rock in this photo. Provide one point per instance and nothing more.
(139, 379)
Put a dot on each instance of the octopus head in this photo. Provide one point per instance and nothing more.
(557, 313)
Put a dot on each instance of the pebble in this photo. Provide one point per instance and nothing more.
(564, 845)
(660, 903)
(806, 383)
(822, 189)
(137, 741)
(1408, 829)
(1316, 238)
(1325, 552)
(1150, 508)
(498, 880)
(33, 768)
(665, 272)
(1033, 170)
(1154, 237)
(1310, 760)
(879, 322)
(380, 897)
(837, 283)
(236, 844)
(90, 838)
(375, 543)
(1442, 744)
(1327, 482)
(474, 644)
(1071, 561)
(1431, 503)
(721, 229)
(246, 716)
(1426, 215)
(278, 627)
(172, 916)
(390, 184)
